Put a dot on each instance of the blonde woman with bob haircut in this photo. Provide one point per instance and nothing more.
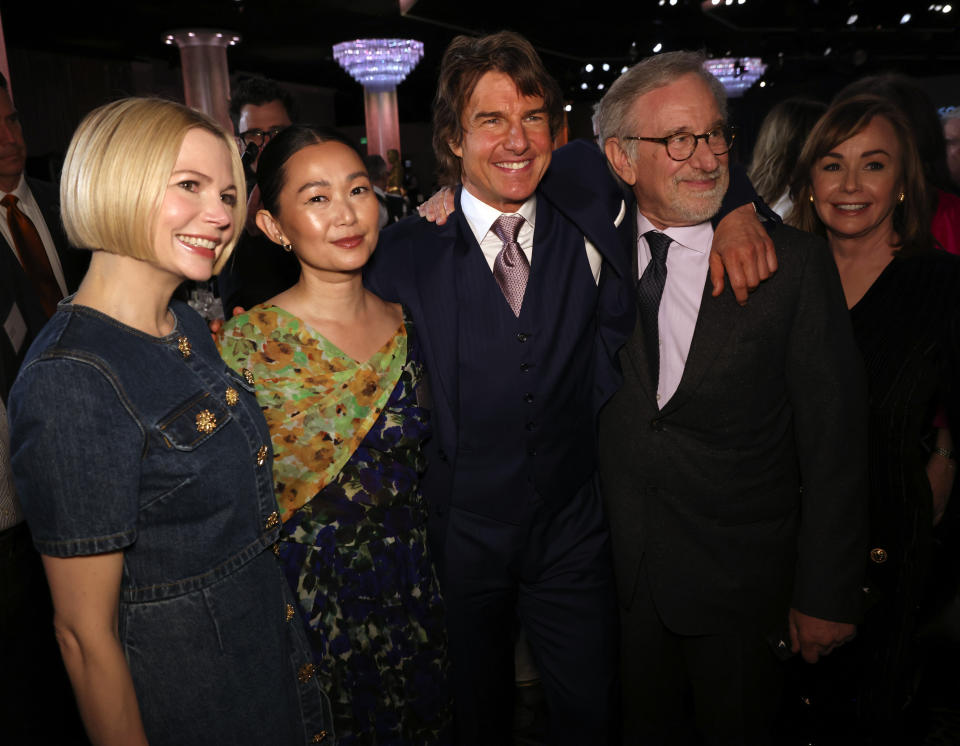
(144, 464)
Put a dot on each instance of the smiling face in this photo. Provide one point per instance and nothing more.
(326, 209)
(196, 217)
(669, 192)
(856, 185)
(506, 144)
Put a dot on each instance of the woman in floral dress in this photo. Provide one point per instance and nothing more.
(339, 377)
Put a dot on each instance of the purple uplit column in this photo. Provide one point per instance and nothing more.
(206, 78)
(379, 65)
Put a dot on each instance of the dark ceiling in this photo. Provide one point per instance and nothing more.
(292, 39)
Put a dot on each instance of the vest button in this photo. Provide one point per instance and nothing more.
(524, 367)
(656, 425)
(531, 425)
(528, 398)
(442, 455)
(531, 452)
(522, 337)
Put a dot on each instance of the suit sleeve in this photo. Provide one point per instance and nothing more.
(740, 193)
(827, 387)
(387, 264)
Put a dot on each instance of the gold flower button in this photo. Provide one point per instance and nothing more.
(231, 396)
(248, 376)
(276, 548)
(273, 520)
(320, 737)
(183, 344)
(878, 555)
(206, 421)
(290, 612)
(305, 673)
(262, 455)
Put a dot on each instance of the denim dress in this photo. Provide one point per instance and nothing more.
(122, 441)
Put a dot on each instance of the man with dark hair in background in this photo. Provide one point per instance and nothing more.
(37, 268)
(258, 269)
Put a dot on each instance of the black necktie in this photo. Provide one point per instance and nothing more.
(649, 292)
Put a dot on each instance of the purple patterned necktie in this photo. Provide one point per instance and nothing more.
(511, 268)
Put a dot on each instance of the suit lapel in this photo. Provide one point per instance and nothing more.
(438, 276)
(716, 321)
(598, 218)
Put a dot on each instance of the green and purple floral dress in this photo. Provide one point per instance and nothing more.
(347, 440)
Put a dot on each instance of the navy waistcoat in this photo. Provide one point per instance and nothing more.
(526, 426)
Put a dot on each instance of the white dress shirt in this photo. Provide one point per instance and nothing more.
(28, 205)
(688, 262)
(481, 217)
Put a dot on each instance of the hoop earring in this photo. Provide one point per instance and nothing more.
(288, 247)
(901, 197)
(811, 199)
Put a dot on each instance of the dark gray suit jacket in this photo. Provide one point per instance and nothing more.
(746, 494)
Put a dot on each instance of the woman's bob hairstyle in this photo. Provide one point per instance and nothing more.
(117, 170)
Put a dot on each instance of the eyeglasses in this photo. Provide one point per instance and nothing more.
(260, 137)
(682, 145)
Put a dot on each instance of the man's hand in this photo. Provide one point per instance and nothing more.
(813, 637)
(438, 206)
(742, 247)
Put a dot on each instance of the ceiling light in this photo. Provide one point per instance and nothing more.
(657, 47)
(852, 19)
(606, 67)
(827, 51)
(568, 107)
(378, 62)
(947, 8)
(599, 86)
(623, 69)
(737, 74)
(905, 19)
(588, 68)
(583, 86)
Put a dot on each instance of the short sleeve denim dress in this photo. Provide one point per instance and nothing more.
(150, 445)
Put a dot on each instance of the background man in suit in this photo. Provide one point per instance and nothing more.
(519, 304)
(257, 269)
(36, 269)
(733, 459)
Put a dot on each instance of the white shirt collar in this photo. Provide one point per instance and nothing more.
(694, 237)
(481, 216)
